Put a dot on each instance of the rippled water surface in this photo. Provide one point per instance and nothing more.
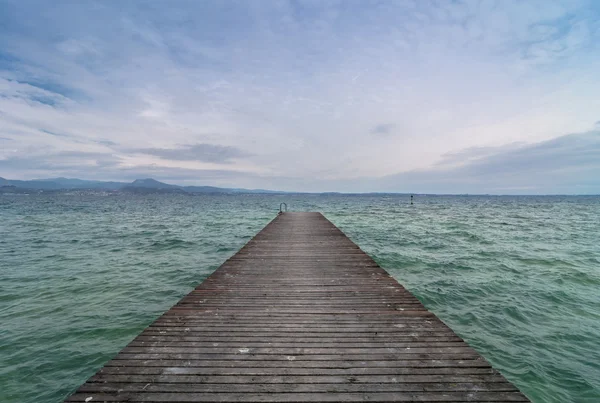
(517, 277)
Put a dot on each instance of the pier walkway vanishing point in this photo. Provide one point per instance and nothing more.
(299, 314)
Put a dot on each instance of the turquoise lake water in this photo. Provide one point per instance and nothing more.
(517, 277)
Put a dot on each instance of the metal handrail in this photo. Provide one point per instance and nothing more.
(281, 207)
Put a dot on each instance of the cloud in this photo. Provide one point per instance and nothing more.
(197, 152)
(566, 165)
(569, 164)
(61, 164)
(309, 94)
(54, 134)
(182, 175)
(468, 155)
(71, 161)
(383, 129)
(31, 92)
(106, 166)
(107, 143)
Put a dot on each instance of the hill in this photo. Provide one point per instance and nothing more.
(138, 186)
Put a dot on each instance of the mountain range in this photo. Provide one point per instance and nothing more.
(137, 186)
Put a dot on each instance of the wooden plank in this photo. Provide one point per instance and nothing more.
(316, 357)
(477, 363)
(329, 396)
(300, 387)
(299, 314)
(279, 371)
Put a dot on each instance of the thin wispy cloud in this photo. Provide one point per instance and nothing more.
(65, 161)
(471, 154)
(383, 129)
(310, 95)
(197, 152)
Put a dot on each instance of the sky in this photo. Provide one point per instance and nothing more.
(498, 97)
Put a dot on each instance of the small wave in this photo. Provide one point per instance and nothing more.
(170, 244)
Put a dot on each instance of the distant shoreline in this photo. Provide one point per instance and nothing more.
(152, 186)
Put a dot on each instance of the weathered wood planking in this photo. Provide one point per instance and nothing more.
(299, 314)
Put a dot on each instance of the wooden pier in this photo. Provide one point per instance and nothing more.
(299, 314)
